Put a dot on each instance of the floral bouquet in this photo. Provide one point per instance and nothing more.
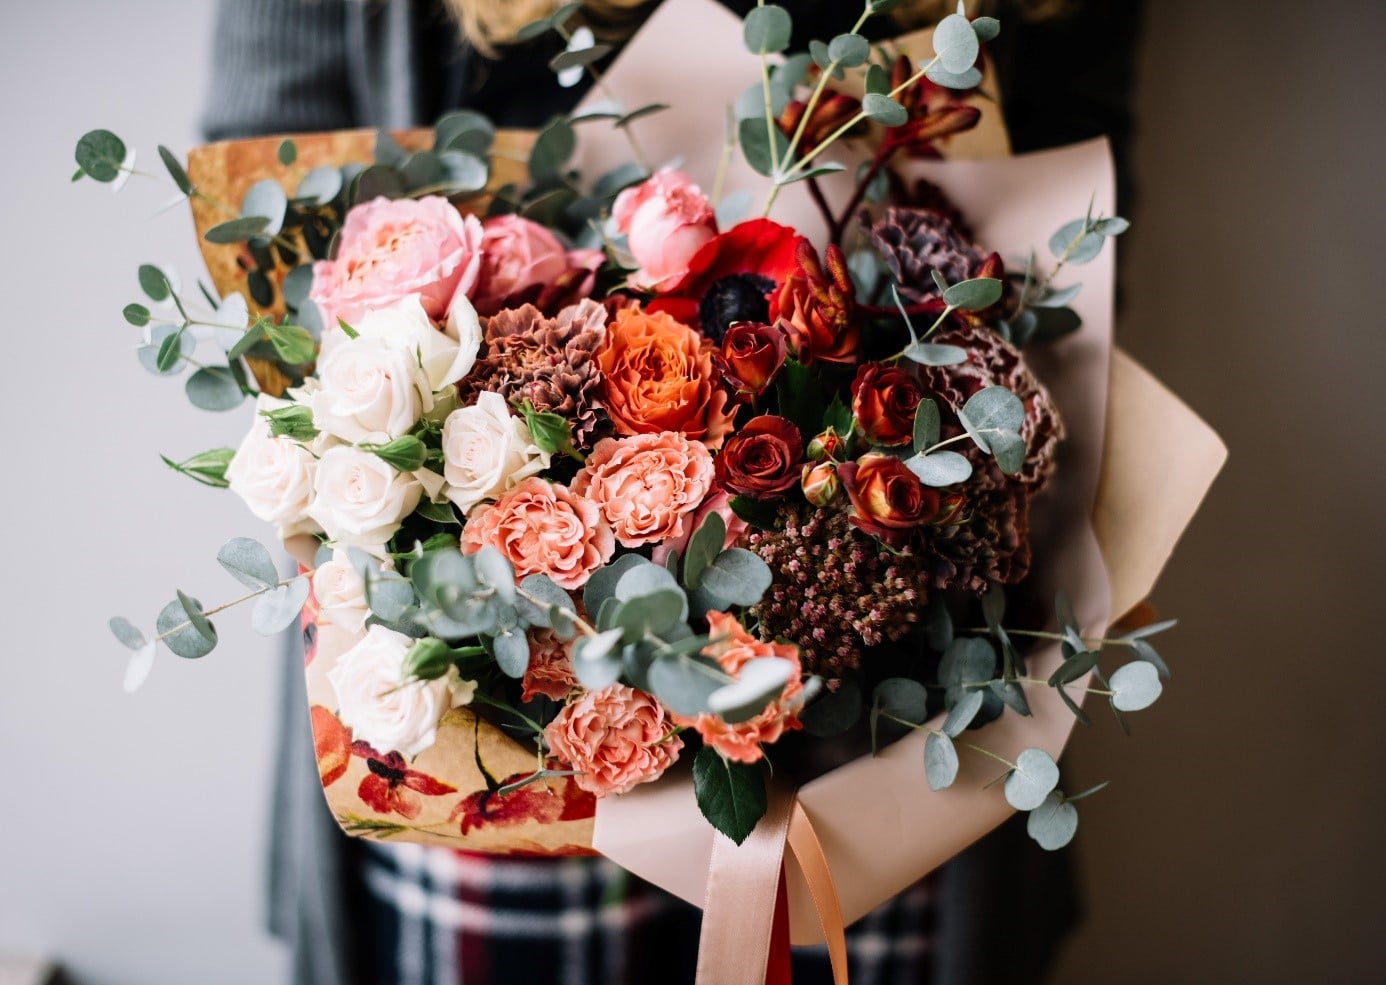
(590, 480)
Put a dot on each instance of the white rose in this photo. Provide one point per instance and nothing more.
(274, 476)
(370, 391)
(487, 450)
(464, 326)
(374, 701)
(446, 357)
(360, 499)
(341, 593)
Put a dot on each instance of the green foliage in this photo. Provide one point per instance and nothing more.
(278, 609)
(940, 761)
(1053, 823)
(136, 314)
(730, 795)
(180, 634)
(738, 576)
(404, 454)
(294, 421)
(208, 467)
(1034, 776)
(759, 513)
(294, 344)
(968, 660)
(266, 200)
(287, 152)
(934, 354)
(849, 50)
(248, 562)
(1135, 686)
(955, 44)
(961, 715)
(758, 682)
(940, 468)
(237, 230)
(767, 30)
(755, 138)
(214, 388)
(884, 110)
(974, 295)
(897, 698)
(833, 711)
(154, 283)
(128, 634)
(550, 431)
(551, 151)
(101, 155)
(703, 548)
(993, 417)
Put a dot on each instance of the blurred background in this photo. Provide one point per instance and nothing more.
(1240, 841)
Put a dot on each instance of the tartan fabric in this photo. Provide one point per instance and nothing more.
(436, 917)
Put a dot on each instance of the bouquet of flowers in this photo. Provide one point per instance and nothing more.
(590, 479)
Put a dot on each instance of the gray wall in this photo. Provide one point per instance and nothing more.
(1240, 841)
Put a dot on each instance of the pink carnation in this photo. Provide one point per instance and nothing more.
(550, 670)
(543, 528)
(615, 738)
(742, 742)
(391, 248)
(646, 484)
(665, 219)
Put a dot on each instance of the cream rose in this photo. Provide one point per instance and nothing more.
(376, 703)
(487, 450)
(445, 357)
(370, 390)
(360, 499)
(341, 593)
(274, 476)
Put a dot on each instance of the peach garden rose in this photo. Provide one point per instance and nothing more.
(543, 528)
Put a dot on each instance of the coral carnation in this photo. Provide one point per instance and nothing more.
(646, 485)
(615, 739)
(543, 528)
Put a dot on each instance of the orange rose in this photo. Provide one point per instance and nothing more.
(659, 376)
(543, 528)
(646, 484)
(742, 742)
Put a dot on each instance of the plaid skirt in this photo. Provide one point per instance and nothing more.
(432, 916)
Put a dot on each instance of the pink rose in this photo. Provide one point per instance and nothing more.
(543, 528)
(665, 219)
(550, 670)
(646, 484)
(517, 255)
(615, 738)
(719, 502)
(391, 248)
(742, 742)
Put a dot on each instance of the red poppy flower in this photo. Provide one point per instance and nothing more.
(731, 277)
(391, 786)
(544, 801)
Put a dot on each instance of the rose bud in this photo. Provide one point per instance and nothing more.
(949, 508)
(885, 399)
(763, 458)
(820, 483)
(752, 354)
(829, 444)
(888, 500)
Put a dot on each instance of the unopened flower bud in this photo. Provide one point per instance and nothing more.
(828, 445)
(820, 483)
(427, 660)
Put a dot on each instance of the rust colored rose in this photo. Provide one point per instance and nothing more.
(763, 458)
(753, 354)
(884, 401)
(888, 500)
(815, 306)
(659, 376)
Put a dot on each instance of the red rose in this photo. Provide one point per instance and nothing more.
(815, 306)
(762, 458)
(884, 400)
(752, 354)
(888, 500)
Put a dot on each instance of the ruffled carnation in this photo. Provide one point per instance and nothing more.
(646, 485)
(615, 738)
(543, 528)
(550, 670)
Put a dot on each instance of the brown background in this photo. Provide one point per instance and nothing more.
(1242, 837)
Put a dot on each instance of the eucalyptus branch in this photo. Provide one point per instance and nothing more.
(823, 77)
(600, 81)
(920, 727)
(585, 627)
(215, 610)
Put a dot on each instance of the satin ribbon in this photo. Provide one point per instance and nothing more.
(746, 891)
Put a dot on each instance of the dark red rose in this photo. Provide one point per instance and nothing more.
(816, 307)
(763, 458)
(751, 355)
(885, 398)
(888, 500)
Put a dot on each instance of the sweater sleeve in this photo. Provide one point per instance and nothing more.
(278, 66)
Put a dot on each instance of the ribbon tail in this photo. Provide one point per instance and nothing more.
(813, 863)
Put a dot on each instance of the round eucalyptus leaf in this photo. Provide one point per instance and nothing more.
(549, 595)
(159, 336)
(1034, 776)
(296, 285)
(100, 154)
(940, 761)
(183, 638)
(877, 80)
(1053, 823)
(1009, 450)
(511, 651)
(287, 152)
(267, 200)
(849, 50)
(995, 408)
(942, 468)
(902, 698)
(986, 28)
(975, 294)
(967, 660)
(136, 314)
(249, 563)
(1070, 240)
(1113, 226)
(377, 181)
(496, 571)
(137, 670)
(818, 51)
(277, 610)
(767, 30)
(960, 716)
(884, 110)
(703, 547)
(236, 230)
(1136, 686)
(551, 151)
(685, 682)
(758, 682)
(738, 576)
(214, 388)
(389, 595)
(462, 172)
(956, 44)
(128, 634)
(464, 130)
(935, 354)
(175, 170)
(957, 81)
(320, 185)
(602, 584)
(154, 282)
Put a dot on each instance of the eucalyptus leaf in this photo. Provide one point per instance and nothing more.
(154, 282)
(1012, 695)
(1056, 297)
(578, 57)
(214, 388)
(898, 698)
(101, 155)
(974, 295)
(1034, 777)
(639, 114)
(833, 712)
(266, 200)
(685, 682)
(877, 79)
(755, 139)
(320, 185)
(758, 682)
(551, 151)
(128, 634)
(935, 354)
(546, 595)
(602, 584)
(969, 660)
(136, 314)
(137, 670)
(960, 716)
(942, 468)
(1075, 242)
(651, 614)
(884, 110)
(993, 408)
(955, 43)
(236, 230)
(849, 50)
(1136, 686)
(278, 609)
(940, 761)
(926, 424)
(179, 634)
(1009, 450)
(958, 81)
(511, 650)
(738, 576)
(249, 563)
(986, 28)
(1053, 823)
(703, 547)
(767, 29)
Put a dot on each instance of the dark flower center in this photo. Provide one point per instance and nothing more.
(740, 297)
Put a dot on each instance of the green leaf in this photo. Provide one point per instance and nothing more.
(986, 28)
(553, 602)
(1088, 792)
(236, 230)
(214, 388)
(962, 713)
(179, 633)
(884, 110)
(294, 344)
(935, 354)
(1034, 776)
(1009, 451)
(511, 650)
(377, 181)
(940, 761)
(703, 547)
(101, 154)
(1076, 241)
(551, 432)
(602, 584)
(1113, 226)
(877, 79)
(898, 698)
(730, 795)
(494, 570)
(758, 682)
(849, 50)
(959, 81)
(1144, 651)
(172, 350)
(532, 30)
(830, 167)
(1053, 823)
(975, 294)
(968, 660)
(278, 609)
(137, 670)
(320, 185)
(1147, 631)
(294, 421)
(595, 663)
(551, 151)
(1012, 695)
(926, 425)
(990, 409)
(738, 576)
(128, 634)
(1136, 686)
(800, 396)
(655, 614)
(405, 454)
(833, 712)
(767, 30)
(249, 563)
(136, 314)
(464, 130)
(154, 283)
(287, 152)
(942, 468)
(266, 200)
(427, 660)
(755, 145)
(463, 173)
(955, 43)
(1078, 663)
(175, 170)
(208, 467)
(578, 57)
(937, 624)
